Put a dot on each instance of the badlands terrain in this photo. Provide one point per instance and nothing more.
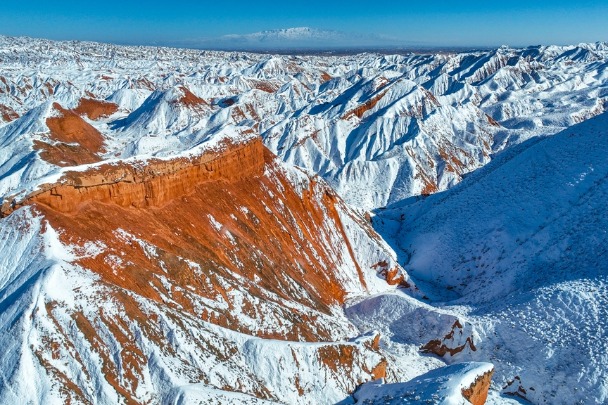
(182, 226)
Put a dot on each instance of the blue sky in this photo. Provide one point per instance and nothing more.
(435, 23)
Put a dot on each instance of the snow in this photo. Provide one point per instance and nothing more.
(177, 348)
(216, 225)
(201, 395)
(520, 245)
(442, 386)
(46, 298)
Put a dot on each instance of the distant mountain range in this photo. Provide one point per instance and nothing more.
(295, 38)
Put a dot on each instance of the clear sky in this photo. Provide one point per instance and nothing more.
(432, 23)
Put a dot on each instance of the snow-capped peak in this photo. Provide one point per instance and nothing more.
(293, 34)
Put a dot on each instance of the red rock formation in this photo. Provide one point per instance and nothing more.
(375, 343)
(325, 77)
(380, 370)
(449, 156)
(392, 275)
(69, 127)
(492, 121)
(72, 141)
(95, 109)
(428, 179)
(342, 358)
(270, 237)
(4, 85)
(154, 184)
(7, 114)
(477, 393)
(440, 347)
(363, 108)
(190, 100)
(64, 154)
(221, 238)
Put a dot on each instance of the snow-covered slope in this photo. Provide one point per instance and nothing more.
(395, 127)
(521, 246)
(458, 384)
(296, 33)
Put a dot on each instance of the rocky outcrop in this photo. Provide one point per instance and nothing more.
(95, 340)
(477, 393)
(72, 141)
(68, 127)
(515, 388)
(453, 343)
(7, 114)
(64, 154)
(392, 275)
(455, 384)
(189, 99)
(226, 239)
(360, 110)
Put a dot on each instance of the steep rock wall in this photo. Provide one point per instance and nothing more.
(152, 184)
(477, 393)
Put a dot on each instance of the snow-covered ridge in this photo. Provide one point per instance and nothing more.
(378, 128)
(298, 38)
(451, 385)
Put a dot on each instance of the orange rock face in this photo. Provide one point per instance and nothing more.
(69, 127)
(226, 238)
(325, 76)
(72, 141)
(63, 154)
(380, 370)
(477, 393)
(363, 108)
(154, 184)
(217, 227)
(392, 275)
(191, 100)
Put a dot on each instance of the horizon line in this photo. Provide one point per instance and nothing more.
(303, 49)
